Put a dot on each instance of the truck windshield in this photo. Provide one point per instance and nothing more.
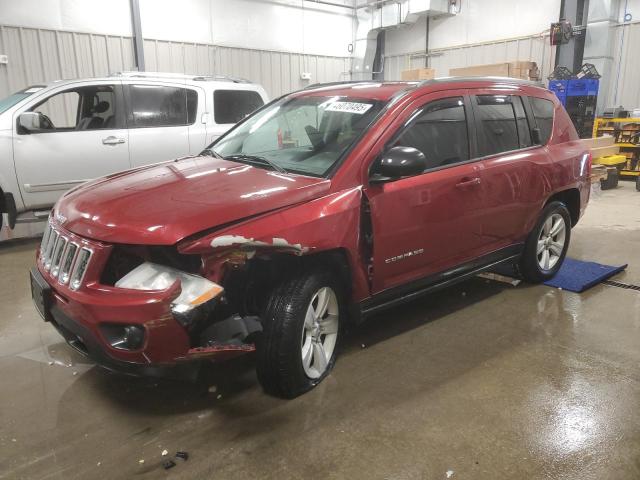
(306, 135)
(8, 102)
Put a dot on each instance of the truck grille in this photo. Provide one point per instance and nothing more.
(63, 257)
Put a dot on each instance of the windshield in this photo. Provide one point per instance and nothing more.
(8, 102)
(306, 135)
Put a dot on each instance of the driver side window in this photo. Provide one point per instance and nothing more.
(61, 109)
(84, 108)
(440, 132)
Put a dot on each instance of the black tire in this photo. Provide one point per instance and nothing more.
(610, 182)
(530, 268)
(638, 183)
(279, 360)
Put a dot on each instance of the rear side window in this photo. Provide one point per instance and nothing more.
(440, 132)
(161, 106)
(543, 113)
(231, 106)
(498, 129)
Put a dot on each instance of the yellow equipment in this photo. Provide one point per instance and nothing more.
(626, 135)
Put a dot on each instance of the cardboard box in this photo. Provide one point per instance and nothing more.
(418, 74)
(521, 69)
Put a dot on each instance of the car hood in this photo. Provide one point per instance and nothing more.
(164, 203)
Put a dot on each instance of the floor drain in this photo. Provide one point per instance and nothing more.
(628, 286)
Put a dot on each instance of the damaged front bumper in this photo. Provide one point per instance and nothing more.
(167, 349)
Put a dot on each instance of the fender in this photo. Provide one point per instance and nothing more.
(328, 223)
(8, 180)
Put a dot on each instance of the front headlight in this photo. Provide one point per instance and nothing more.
(196, 290)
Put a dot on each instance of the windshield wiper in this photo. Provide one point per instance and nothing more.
(256, 159)
(210, 152)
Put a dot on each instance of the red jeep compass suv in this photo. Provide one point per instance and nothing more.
(327, 204)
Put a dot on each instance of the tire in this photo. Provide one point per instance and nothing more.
(610, 182)
(535, 265)
(638, 184)
(291, 331)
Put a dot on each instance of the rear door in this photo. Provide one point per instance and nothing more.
(429, 223)
(232, 105)
(87, 138)
(511, 176)
(159, 116)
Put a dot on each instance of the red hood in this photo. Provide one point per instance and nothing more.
(164, 203)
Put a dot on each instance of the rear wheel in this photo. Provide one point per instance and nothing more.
(638, 183)
(547, 244)
(302, 325)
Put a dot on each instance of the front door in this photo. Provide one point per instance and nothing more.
(85, 138)
(429, 223)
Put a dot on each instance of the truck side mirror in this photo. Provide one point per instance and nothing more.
(32, 122)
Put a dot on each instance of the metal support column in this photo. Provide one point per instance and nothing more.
(570, 54)
(138, 42)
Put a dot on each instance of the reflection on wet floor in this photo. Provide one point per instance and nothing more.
(483, 380)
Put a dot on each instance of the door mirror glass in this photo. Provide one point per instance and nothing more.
(33, 122)
(398, 162)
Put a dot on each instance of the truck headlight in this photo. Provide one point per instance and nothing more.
(196, 290)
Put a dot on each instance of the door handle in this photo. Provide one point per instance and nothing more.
(468, 182)
(111, 140)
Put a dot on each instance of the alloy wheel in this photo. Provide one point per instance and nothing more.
(551, 241)
(320, 332)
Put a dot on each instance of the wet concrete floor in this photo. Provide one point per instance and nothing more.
(482, 381)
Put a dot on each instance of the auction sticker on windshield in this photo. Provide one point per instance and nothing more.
(349, 107)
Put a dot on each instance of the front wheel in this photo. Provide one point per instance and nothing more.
(547, 244)
(302, 325)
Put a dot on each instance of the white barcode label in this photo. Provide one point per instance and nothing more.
(349, 107)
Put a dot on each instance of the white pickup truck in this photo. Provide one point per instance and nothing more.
(56, 136)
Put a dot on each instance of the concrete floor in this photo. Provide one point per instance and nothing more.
(482, 381)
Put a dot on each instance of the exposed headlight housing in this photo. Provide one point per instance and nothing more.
(196, 290)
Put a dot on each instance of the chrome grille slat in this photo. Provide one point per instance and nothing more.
(67, 262)
(45, 239)
(80, 268)
(61, 245)
(64, 257)
(50, 249)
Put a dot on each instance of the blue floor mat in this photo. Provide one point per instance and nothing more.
(578, 276)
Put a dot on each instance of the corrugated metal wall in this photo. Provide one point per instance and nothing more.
(625, 85)
(277, 72)
(534, 48)
(38, 55)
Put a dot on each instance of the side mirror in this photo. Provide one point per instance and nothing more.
(398, 162)
(32, 122)
(536, 136)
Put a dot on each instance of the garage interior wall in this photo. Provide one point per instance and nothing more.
(273, 41)
(494, 31)
(270, 42)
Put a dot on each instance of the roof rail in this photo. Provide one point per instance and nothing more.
(181, 76)
(332, 84)
(511, 80)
